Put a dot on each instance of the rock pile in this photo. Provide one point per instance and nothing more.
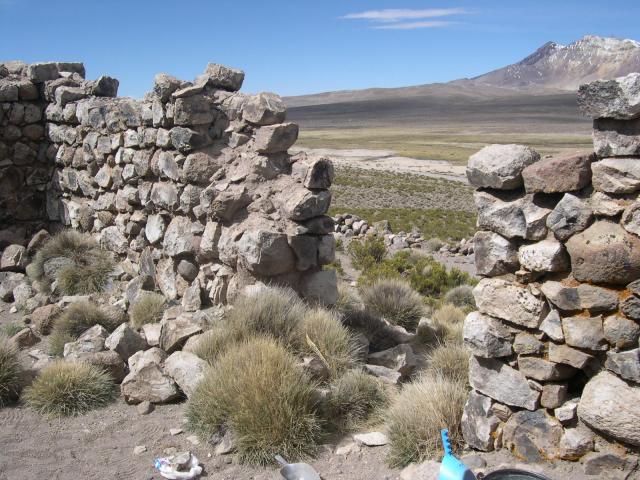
(192, 187)
(555, 371)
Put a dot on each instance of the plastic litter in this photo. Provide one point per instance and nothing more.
(297, 471)
(179, 466)
(452, 468)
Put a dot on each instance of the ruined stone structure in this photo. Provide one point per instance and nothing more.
(192, 185)
(555, 371)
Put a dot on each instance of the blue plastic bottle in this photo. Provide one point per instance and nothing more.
(452, 468)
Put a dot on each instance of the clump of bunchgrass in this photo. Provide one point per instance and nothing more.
(417, 415)
(147, 308)
(215, 341)
(259, 392)
(433, 245)
(10, 372)
(448, 322)
(354, 398)
(69, 388)
(57, 340)
(394, 300)
(320, 333)
(10, 329)
(368, 252)
(462, 297)
(78, 264)
(449, 360)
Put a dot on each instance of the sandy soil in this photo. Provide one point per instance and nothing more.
(387, 160)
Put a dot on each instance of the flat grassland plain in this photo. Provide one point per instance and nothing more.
(401, 157)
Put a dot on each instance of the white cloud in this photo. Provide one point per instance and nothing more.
(413, 25)
(396, 15)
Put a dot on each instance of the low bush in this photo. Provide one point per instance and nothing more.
(273, 311)
(450, 361)
(417, 415)
(83, 268)
(426, 275)
(148, 308)
(462, 297)
(259, 392)
(69, 388)
(320, 333)
(354, 398)
(394, 300)
(368, 252)
(10, 372)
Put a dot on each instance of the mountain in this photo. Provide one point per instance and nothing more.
(551, 69)
(565, 67)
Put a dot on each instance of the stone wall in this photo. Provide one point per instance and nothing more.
(191, 186)
(555, 371)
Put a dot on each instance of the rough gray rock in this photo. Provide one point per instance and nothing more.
(534, 436)
(276, 138)
(502, 299)
(631, 219)
(400, 358)
(479, 423)
(618, 98)
(571, 215)
(174, 333)
(149, 383)
(14, 258)
(575, 443)
(616, 138)
(302, 204)
(621, 332)
(527, 344)
(625, 364)
(584, 296)
(264, 109)
(558, 174)
(605, 253)
(186, 369)
(610, 463)
(125, 341)
(548, 255)
(266, 253)
(584, 332)
(314, 172)
(227, 78)
(554, 394)
(385, 374)
(500, 166)
(569, 356)
(179, 238)
(631, 307)
(543, 370)
(494, 254)
(616, 175)
(607, 405)
(499, 381)
(486, 336)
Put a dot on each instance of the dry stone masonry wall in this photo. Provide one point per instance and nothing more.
(555, 371)
(191, 187)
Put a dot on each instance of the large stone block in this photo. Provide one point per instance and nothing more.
(194, 110)
(266, 253)
(494, 254)
(508, 301)
(534, 436)
(499, 381)
(500, 166)
(584, 332)
(570, 215)
(618, 98)
(479, 423)
(558, 174)
(625, 364)
(548, 255)
(584, 296)
(276, 138)
(544, 370)
(616, 175)
(486, 336)
(610, 406)
(264, 109)
(605, 253)
(616, 138)
(302, 204)
(227, 78)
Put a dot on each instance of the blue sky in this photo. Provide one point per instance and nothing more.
(301, 46)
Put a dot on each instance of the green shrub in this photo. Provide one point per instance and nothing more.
(368, 252)
(417, 415)
(10, 372)
(10, 329)
(394, 300)
(321, 332)
(450, 361)
(433, 245)
(426, 275)
(88, 268)
(57, 340)
(273, 311)
(69, 388)
(354, 398)
(339, 245)
(462, 297)
(215, 341)
(261, 394)
(148, 308)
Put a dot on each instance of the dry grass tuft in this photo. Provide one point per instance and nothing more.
(215, 341)
(418, 414)
(10, 329)
(259, 392)
(273, 311)
(448, 322)
(148, 308)
(394, 300)
(10, 372)
(332, 340)
(83, 266)
(450, 361)
(462, 297)
(355, 397)
(69, 388)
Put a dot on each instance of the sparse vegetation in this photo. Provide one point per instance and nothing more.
(354, 398)
(148, 308)
(433, 245)
(417, 415)
(10, 329)
(69, 388)
(259, 392)
(394, 300)
(368, 252)
(448, 321)
(321, 332)
(10, 372)
(75, 261)
(215, 341)
(58, 340)
(462, 297)
(449, 360)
